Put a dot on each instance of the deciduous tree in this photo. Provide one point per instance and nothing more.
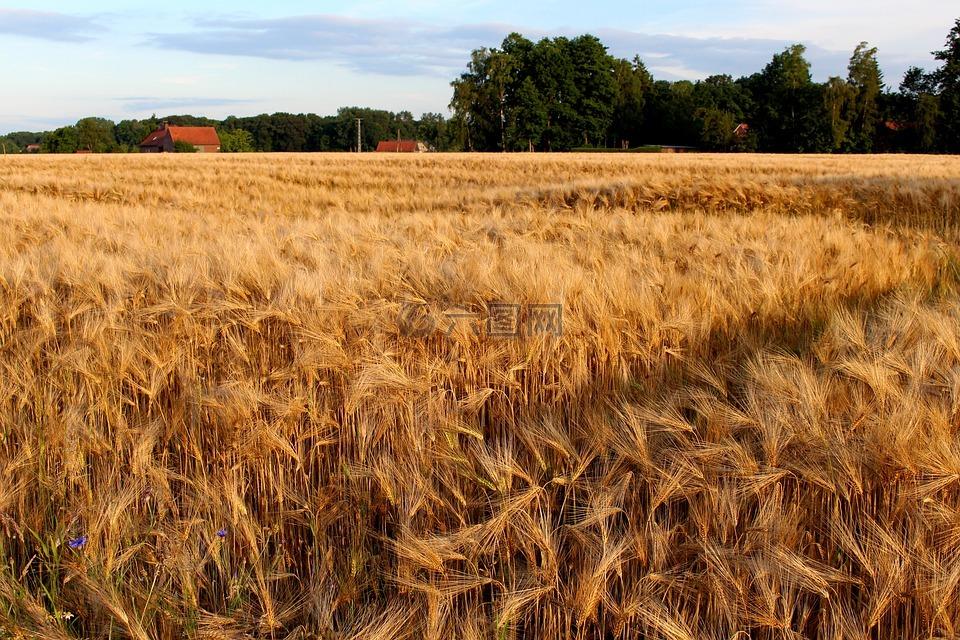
(948, 80)
(866, 79)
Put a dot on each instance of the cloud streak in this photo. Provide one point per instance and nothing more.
(686, 58)
(407, 48)
(370, 46)
(148, 103)
(47, 25)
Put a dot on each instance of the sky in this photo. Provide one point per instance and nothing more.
(63, 60)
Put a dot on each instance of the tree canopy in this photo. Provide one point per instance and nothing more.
(567, 93)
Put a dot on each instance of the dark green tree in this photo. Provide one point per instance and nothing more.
(289, 132)
(839, 97)
(236, 141)
(552, 72)
(948, 81)
(8, 145)
(670, 117)
(23, 138)
(476, 100)
(596, 89)
(432, 130)
(555, 95)
(867, 81)
(916, 108)
(633, 83)
(130, 133)
(63, 140)
(530, 117)
(261, 128)
(790, 114)
(717, 129)
(720, 105)
(916, 81)
(96, 135)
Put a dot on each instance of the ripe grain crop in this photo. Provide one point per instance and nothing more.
(259, 397)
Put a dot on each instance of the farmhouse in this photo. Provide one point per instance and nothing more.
(401, 146)
(164, 139)
(33, 148)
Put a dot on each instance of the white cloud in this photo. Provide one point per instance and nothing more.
(407, 48)
(392, 47)
(139, 104)
(47, 25)
(901, 28)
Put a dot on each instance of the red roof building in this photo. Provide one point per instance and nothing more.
(401, 146)
(165, 139)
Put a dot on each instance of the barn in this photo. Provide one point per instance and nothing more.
(164, 139)
(401, 146)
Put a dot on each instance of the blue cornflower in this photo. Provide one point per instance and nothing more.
(222, 533)
(77, 543)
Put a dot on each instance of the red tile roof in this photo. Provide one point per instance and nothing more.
(154, 139)
(197, 136)
(401, 146)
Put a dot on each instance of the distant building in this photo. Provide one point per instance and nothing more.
(742, 130)
(402, 146)
(164, 139)
(32, 148)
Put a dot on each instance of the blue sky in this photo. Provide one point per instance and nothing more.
(61, 60)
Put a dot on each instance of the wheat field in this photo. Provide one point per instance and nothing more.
(465, 396)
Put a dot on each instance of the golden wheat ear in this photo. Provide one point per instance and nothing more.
(260, 396)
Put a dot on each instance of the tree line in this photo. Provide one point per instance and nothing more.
(561, 93)
(566, 93)
(266, 132)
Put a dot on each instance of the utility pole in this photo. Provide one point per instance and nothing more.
(359, 143)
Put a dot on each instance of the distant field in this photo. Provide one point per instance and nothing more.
(479, 396)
